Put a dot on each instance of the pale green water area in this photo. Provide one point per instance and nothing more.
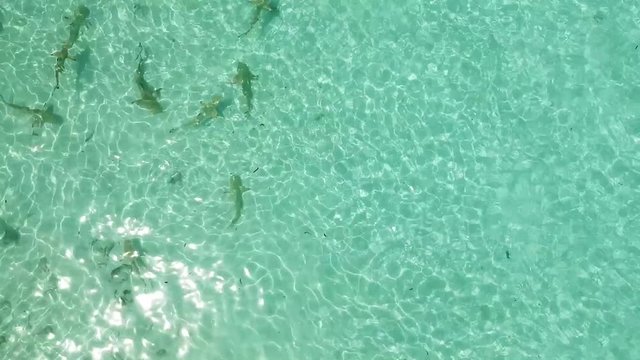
(417, 180)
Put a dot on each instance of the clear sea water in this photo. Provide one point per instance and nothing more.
(428, 180)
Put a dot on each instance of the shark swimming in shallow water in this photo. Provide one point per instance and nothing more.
(79, 20)
(8, 234)
(237, 189)
(39, 116)
(133, 254)
(61, 57)
(208, 111)
(244, 77)
(259, 6)
(148, 94)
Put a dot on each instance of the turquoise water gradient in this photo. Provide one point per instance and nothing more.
(431, 180)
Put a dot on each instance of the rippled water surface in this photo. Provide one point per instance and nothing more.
(431, 180)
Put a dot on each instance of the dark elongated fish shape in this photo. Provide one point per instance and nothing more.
(244, 77)
(80, 17)
(39, 116)
(8, 234)
(260, 6)
(61, 56)
(133, 254)
(148, 94)
(1, 20)
(236, 188)
(208, 111)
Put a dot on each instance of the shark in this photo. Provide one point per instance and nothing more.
(61, 56)
(132, 260)
(79, 20)
(259, 6)
(244, 77)
(101, 250)
(148, 94)
(133, 254)
(39, 116)
(8, 234)
(237, 189)
(208, 110)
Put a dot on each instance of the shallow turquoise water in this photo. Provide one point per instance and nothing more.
(401, 152)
